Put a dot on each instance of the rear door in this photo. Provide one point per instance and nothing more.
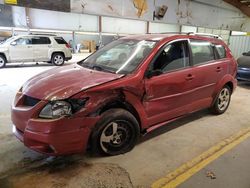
(41, 47)
(208, 70)
(21, 50)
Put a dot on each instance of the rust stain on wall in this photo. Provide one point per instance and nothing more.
(141, 6)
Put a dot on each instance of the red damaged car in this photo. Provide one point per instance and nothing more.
(127, 88)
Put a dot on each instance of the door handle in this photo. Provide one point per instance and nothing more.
(190, 77)
(29, 46)
(218, 69)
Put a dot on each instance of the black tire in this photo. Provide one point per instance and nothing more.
(58, 59)
(105, 141)
(3, 61)
(224, 94)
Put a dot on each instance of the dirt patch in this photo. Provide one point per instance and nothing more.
(6, 137)
(70, 173)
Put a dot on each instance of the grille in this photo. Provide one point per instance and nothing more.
(30, 101)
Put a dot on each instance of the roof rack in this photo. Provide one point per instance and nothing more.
(192, 33)
(45, 34)
(205, 35)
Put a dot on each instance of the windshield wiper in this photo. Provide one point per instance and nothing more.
(99, 68)
(95, 67)
(86, 65)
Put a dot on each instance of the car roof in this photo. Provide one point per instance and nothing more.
(153, 37)
(36, 35)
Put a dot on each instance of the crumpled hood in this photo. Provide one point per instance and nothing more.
(63, 82)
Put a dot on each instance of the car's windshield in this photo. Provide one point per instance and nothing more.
(121, 57)
(7, 40)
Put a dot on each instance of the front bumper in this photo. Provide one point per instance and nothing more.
(66, 135)
(58, 142)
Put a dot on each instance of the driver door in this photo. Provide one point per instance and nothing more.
(21, 50)
(167, 94)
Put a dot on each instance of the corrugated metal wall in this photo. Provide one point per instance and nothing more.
(239, 44)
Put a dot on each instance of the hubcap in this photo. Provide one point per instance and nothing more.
(1, 61)
(224, 97)
(114, 136)
(58, 59)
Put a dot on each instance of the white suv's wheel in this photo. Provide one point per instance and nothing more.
(2, 61)
(58, 59)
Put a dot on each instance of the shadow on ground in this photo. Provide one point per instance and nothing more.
(175, 124)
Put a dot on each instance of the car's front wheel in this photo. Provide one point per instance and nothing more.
(58, 59)
(2, 61)
(222, 101)
(116, 132)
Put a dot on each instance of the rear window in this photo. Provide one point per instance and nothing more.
(202, 51)
(41, 40)
(60, 40)
(221, 51)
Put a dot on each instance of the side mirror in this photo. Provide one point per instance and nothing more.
(152, 73)
(13, 43)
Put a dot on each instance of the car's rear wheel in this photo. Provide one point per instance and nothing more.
(2, 61)
(116, 132)
(222, 101)
(58, 59)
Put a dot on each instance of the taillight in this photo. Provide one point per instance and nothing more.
(67, 45)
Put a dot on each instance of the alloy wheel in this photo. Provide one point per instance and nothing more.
(115, 136)
(58, 60)
(223, 99)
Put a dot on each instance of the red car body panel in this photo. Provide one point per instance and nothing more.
(153, 105)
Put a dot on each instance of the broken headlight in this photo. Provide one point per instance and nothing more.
(57, 109)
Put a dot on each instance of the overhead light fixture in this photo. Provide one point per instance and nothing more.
(86, 33)
(50, 31)
(238, 33)
(20, 29)
(117, 34)
(6, 28)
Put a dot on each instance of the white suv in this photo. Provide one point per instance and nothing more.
(28, 48)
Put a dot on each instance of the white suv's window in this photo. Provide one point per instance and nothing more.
(60, 40)
(23, 41)
(41, 40)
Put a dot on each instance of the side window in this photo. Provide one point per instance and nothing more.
(202, 51)
(23, 41)
(221, 51)
(41, 40)
(173, 57)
